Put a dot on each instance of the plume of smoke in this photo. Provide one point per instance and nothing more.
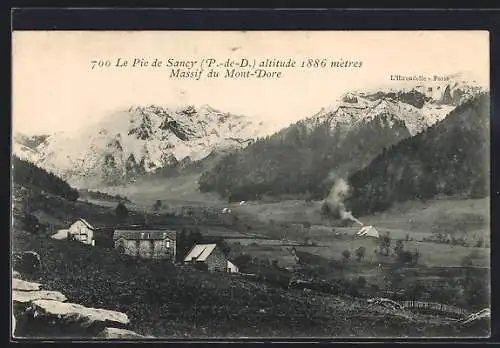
(335, 200)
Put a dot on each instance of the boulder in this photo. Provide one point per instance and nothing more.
(50, 319)
(29, 296)
(22, 285)
(75, 313)
(114, 333)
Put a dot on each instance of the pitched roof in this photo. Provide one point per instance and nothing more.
(86, 223)
(200, 252)
(144, 234)
(367, 230)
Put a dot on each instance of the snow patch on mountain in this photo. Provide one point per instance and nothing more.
(418, 105)
(140, 140)
(364, 110)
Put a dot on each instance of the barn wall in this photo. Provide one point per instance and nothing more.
(164, 249)
(232, 268)
(145, 248)
(131, 247)
(216, 261)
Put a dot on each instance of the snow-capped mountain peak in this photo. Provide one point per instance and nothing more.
(417, 104)
(138, 140)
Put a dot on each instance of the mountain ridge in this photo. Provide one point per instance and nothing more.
(138, 140)
(335, 142)
(441, 160)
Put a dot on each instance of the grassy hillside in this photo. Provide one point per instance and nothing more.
(176, 190)
(165, 301)
(449, 158)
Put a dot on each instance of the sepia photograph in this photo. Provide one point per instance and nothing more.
(250, 184)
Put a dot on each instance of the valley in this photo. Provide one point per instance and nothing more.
(382, 197)
(235, 300)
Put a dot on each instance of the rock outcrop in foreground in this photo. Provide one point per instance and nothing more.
(40, 313)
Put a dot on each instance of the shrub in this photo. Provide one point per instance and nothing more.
(360, 253)
(385, 244)
(121, 212)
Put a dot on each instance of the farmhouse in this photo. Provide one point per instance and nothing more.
(368, 231)
(146, 243)
(82, 231)
(211, 257)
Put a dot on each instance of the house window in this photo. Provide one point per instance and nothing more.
(168, 244)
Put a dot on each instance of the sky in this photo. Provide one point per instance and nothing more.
(56, 89)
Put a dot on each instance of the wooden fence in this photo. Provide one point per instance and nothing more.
(435, 307)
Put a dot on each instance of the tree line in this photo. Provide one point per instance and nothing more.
(30, 175)
(300, 159)
(449, 158)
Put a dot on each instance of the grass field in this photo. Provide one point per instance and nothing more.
(419, 218)
(176, 191)
(432, 254)
(166, 301)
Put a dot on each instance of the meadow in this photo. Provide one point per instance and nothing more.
(164, 300)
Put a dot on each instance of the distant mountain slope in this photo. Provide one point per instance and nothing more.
(300, 160)
(28, 175)
(137, 141)
(339, 140)
(451, 157)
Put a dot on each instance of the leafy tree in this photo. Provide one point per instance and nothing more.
(405, 257)
(121, 212)
(187, 238)
(360, 253)
(32, 224)
(416, 256)
(157, 206)
(385, 244)
(242, 261)
(181, 245)
(346, 254)
(399, 248)
(224, 246)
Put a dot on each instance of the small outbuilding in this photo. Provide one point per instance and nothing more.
(82, 231)
(211, 257)
(368, 231)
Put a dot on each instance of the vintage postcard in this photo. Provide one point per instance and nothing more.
(250, 184)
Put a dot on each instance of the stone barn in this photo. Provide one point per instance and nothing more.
(149, 244)
(82, 231)
(211, 257)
